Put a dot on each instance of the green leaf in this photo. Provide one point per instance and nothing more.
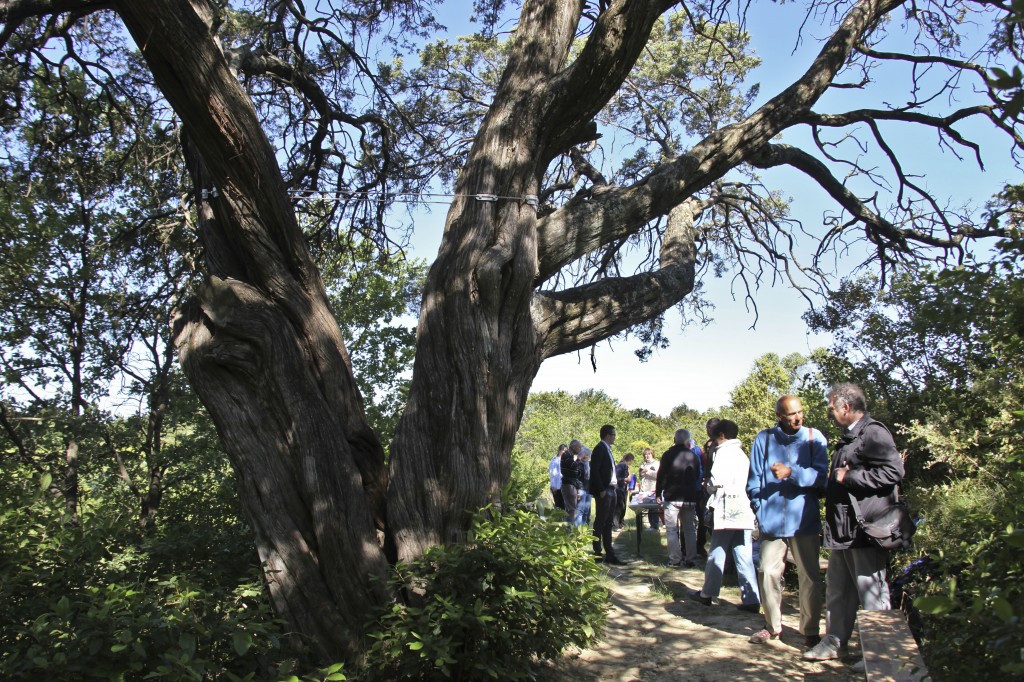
(44, 481)
(415, 646)
(934, 605)
(242, 642)
(1002, 608)
(1015, 537)
(187, 642)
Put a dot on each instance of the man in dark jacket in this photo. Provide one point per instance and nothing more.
(602, 487)
(678, 489)
(867, 466)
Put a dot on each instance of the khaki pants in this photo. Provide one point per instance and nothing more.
(805, 550)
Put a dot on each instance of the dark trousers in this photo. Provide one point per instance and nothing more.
(702, 530)
(556, 493)
(621, 496)
(603, 521)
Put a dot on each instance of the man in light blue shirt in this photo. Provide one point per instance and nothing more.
(788, 473)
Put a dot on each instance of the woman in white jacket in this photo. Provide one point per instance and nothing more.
(734, 520)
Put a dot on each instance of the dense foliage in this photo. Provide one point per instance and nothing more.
(99, 600)
(521, 589)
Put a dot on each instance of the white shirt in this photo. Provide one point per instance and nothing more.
(555, 472)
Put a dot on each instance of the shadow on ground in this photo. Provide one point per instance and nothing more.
(655, 633)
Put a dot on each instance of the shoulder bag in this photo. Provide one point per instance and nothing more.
(893, 530)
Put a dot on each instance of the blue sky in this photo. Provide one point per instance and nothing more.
(702, 365)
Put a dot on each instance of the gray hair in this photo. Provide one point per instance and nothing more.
(575, 445)
(849, 394)
(683, 437)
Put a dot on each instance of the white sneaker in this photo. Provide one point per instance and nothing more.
(826, 650)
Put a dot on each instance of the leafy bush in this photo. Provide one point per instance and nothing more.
(973, 603)
(98, 601)
(520, 589)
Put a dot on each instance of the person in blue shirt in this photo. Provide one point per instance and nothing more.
(788, 473)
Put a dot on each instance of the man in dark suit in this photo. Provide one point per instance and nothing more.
(602, 487)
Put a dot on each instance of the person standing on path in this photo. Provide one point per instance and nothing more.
(622, 490)
(571, 484)
(734, 521)
(678, 488)
(867, 466)
(647, 481)
(582, 454)
(707, 458)
(602, 487)
(788, 472)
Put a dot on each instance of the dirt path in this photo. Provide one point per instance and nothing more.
(656, 633)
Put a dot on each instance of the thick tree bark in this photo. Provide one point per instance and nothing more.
(265, 354)
(481, 339)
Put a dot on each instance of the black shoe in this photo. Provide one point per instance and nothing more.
(695, 594)
(749, 608)
(811, 641)
(614, 561)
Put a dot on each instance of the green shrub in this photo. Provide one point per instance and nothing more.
(519, 590)
(97, 601)
(973, 603)
(164, 631)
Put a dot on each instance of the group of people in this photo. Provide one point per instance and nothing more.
(569, 472)
(582, 478)
(777, 490)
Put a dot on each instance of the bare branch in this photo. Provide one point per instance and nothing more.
(944, 124)
(24, 454)
(14, 13)
(878, 229)
(122, 472)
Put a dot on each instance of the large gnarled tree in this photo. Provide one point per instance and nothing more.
(268, 110)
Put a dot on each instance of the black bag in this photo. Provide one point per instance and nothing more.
(893, 530)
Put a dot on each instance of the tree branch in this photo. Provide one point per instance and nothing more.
(584, 224)
(879, 230)
(942, 123)
(122, 471)
(13, 13)
(23, 452)
(582, 90)
(578, 317)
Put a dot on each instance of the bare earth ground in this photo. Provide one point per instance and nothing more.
(656, 633)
